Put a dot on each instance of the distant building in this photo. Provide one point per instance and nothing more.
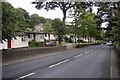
(87, 39)
(39, 36)
(39, 28)
(1, 45)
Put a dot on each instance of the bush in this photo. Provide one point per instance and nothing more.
(70, 40)
(66, 39)
(116, 44)
(81, 41)
(77, 46)
(33, 44)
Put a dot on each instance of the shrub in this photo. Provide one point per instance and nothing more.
(70, 40)
(116, 44)
(33, 44)
(77, 46)
(66, 39)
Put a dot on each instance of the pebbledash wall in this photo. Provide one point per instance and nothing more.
(1, 46)
(15, 43)
(12, 54)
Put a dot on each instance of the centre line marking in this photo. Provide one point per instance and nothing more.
(58, 63)
(78, 56)
(25, 76)
(87, 52)
(91, 50)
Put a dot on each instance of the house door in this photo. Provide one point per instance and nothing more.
(9, 43)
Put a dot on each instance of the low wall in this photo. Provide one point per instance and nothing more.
(12, 54)
(83, 45)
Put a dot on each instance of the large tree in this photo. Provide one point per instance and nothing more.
(64, 6)
(26, 16)
(47, 27)
(56, 26)
(13, 21)
(34, 20)
(78, 9)
(111, 13)
(0, 22)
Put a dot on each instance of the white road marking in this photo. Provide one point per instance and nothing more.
(111, 72)
(78, 56)
(58, 63)
(87, 52)
(91, 50)
(25, 76)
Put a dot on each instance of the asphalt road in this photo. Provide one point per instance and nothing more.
(87, 62)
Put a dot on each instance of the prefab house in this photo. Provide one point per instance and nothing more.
(21, 40)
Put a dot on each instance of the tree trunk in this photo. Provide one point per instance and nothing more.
(75, 39)
(90, 39)
(64, 17)
(78, 40)
(63, 24)
(60, 43)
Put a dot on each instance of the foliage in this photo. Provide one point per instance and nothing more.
(70, 40)
(86, 25)
(66, 39)
(112, 11)
(47, 27)
(13, 21)
(0, 22)
(33, 43)
(34, 20)
(57, 28)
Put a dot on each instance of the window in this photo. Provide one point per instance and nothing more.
(23, 38)
(41, 37)
(29, 36)
(45, 35)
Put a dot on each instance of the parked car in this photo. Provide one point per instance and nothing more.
(109, 43)
(51, 43)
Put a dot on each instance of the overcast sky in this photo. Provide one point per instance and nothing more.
(30, 8)
(26, 4)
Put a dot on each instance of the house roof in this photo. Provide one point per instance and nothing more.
(34, 32)
(20, 33)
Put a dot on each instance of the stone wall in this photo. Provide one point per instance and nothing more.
(8, 54)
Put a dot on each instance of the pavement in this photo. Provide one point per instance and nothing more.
(87, 62)
(114, 64)
(68, 45)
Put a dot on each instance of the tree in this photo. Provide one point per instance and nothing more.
(87, 24)
(13, 21)
(57, 28)
(115, 25)
(34, 20)
(78, 9)
(112, 12)
(26, 16)
(64, 6)
(47, 27)
(0, 22)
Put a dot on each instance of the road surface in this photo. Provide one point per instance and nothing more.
(86, 62)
